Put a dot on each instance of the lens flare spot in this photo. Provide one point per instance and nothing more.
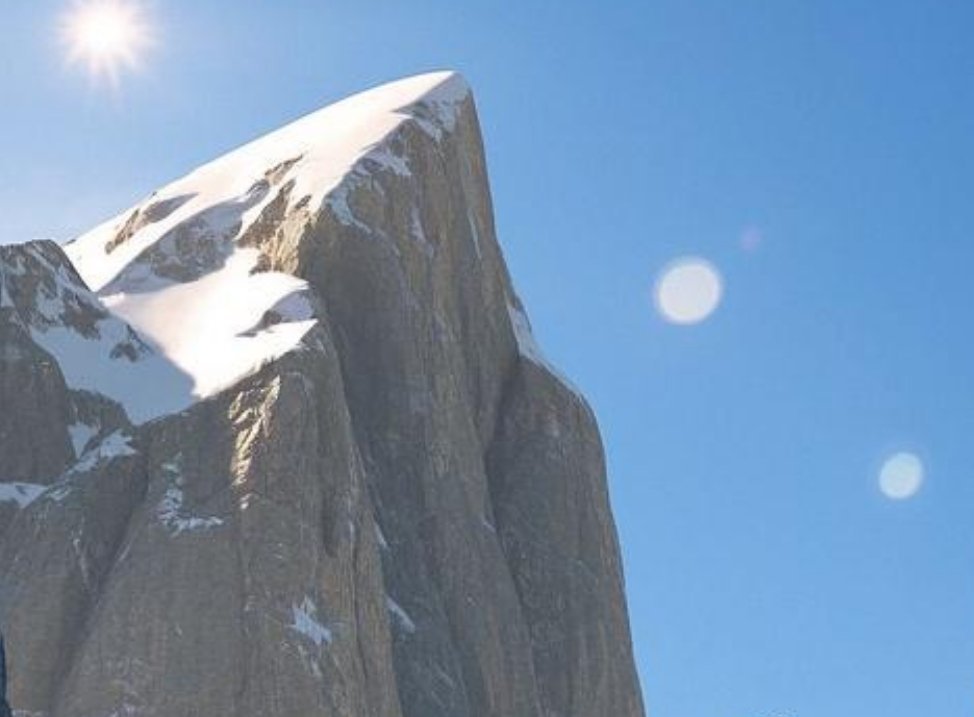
(901, 476)
(688, 291)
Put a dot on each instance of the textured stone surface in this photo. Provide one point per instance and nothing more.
(405, 517)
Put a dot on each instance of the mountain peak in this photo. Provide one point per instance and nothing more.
(389, 503)
(316, 151)
(184, 267)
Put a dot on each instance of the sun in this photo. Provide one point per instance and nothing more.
(107, 36)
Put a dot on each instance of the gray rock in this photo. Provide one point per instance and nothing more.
(404, 517)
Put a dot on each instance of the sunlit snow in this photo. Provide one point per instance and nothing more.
(208, 327)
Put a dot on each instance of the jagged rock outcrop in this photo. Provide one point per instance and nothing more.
(329, 472)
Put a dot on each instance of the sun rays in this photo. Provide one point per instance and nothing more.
(107, 37)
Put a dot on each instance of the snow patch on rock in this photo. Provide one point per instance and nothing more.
(23, 494)
(114, 445)
(172, 511)
(306, 623)
(402, 617)
(203, 326)
(81, 433)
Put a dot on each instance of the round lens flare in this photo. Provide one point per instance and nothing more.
(688, 291)
(901, 476)
(107, 36)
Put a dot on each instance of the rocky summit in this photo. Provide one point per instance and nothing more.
(278, 442)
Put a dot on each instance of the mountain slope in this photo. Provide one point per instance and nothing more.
(353, 486)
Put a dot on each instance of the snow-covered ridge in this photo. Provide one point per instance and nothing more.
(317, 151)
(183, 268)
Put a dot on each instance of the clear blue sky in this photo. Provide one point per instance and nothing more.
(767, 575)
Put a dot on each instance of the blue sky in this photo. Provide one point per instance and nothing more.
(767, 575)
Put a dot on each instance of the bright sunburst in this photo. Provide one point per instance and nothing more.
(107, 36)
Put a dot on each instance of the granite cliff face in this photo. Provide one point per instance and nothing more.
(278, 443)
